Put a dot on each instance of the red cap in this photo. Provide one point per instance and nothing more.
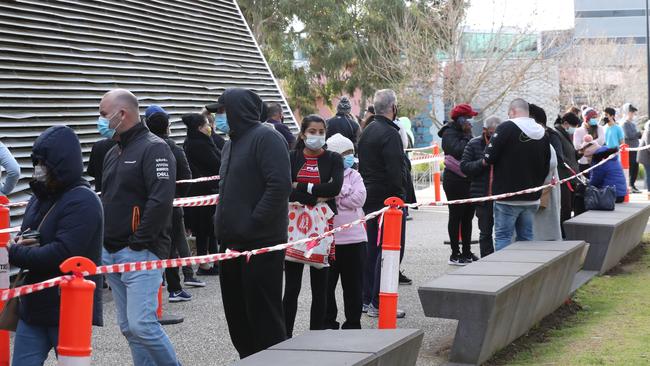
(463, 110)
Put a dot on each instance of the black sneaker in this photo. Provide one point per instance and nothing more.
(214, 271)
(403, 280)
(471, 257)
(458, 260)
(635, 190)
(179, 296)
(193, 282)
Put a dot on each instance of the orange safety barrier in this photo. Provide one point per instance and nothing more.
(75, 321)
(392, 235)
(436, 173)
(625, 163)
(4, 276)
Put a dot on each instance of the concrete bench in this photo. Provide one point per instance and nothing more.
(610, 234)
(500, 297)
(394, 347)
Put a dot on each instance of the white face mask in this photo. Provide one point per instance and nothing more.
(314, 142)
(40, 173)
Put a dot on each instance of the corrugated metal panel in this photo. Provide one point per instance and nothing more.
(58, 57)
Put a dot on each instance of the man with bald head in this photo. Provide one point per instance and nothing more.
(520, 153)
(139, 183)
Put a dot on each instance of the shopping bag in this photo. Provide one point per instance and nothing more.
(310, 222)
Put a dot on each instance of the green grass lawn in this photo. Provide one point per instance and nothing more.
(612, 328)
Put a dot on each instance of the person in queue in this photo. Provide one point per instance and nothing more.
(138, 185)
(64, 218)
(381, 164)
(205, 160)
(157, 121)
(344, 122)
(317, 176)
(590, 126)
(472, 165)
(12, 169)
(252, 213)
(350, 244)
(455, 136)
(632, 137)
(276, 118)
(520, 153)
(608, 174)
(565, 126)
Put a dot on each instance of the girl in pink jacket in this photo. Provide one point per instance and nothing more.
(350, 243)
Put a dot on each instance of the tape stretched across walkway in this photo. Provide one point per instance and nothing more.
(179, 262)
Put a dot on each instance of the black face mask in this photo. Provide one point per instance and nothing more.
(395, 110)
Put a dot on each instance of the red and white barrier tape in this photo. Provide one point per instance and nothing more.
(420, 148)
(180, 262)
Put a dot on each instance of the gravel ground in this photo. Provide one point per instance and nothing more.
(202, 339)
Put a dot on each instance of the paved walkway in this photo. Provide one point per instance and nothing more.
(203, 338)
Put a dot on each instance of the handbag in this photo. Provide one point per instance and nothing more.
(9, 316)
(603, 199)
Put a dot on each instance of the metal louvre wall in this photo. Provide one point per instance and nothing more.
(58, 57)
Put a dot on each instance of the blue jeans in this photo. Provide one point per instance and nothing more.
(32, 344)
(136, 299)
(508, 218)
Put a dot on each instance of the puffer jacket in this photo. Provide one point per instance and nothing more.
(350, 208)
(472, 165)
(74, 226)
(454, 141)
(608, 174)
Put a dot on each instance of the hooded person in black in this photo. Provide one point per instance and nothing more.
(69, 217)
(252, 213)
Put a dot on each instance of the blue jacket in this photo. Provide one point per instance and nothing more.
(608, 174)
(73, 227)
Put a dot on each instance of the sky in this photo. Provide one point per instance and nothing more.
(532, 14)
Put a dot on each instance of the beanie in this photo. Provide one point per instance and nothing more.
(193, 121)
(339, 144)
(589, 113)
(344, 106)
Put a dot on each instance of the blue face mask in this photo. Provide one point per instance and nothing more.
(221, 122)
(571, 130)
(593, 122)
(103, 124)
(348, 161)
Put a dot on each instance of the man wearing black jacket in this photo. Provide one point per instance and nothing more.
(252, 213)
(343, 122)
(381, 164)
(472, 165)
(139, 184)
(157, 120)
(520, 153)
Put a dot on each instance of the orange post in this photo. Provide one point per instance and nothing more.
(392, 235)
(4, 276)
(625, 163)
(75, 320)
(436, 172)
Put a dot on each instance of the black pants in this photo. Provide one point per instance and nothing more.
(348, 264)
(566, 205)
(372, 263)
(202, 226)
(460, 216)
(634, 168)
(252, 301)
(485, 215)
(293, 282)
(178, 248)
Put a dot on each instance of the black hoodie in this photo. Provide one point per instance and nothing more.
(255, 175)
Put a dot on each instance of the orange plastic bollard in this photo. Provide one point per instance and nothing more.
(392, 235)
(4, 277)
(625, 163)
(436, 173)
(75, 320)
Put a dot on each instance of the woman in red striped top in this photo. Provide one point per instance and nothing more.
(317, 176)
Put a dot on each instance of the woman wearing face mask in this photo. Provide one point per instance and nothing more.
(566, 126)
(592, 127)
(205, 160)
(317, 176)
(455, 136)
